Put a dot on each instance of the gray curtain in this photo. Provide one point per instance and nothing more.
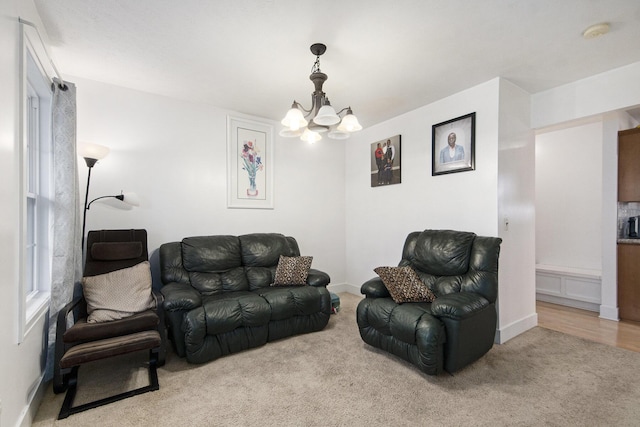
(66, 269)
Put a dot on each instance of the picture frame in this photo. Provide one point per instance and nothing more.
(250, 163)
(459, 157)
(386, 167)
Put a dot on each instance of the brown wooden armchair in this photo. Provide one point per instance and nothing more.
(107, 319)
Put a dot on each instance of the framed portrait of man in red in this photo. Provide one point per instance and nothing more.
(385, 162)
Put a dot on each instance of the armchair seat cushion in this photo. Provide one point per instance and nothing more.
(397, 320)
(97, 350)
(82, 331)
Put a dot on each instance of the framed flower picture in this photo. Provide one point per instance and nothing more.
(249, 164)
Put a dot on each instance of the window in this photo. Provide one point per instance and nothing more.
(36, 194)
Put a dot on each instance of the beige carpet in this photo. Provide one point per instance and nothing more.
(331, 378)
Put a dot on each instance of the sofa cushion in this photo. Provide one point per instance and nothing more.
(260, 277)
(288, 302)
(231, 310)
(232, 280)
(292, 270)
(443, 252)
(118, 294)
(264, 249)
(404, 285)
(210, 254)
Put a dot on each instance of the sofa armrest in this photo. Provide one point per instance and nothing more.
(318, 278)
(178, 296)
(459, 305)
(374, 288)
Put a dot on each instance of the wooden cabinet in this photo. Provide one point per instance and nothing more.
(629, 281)
(629, 165)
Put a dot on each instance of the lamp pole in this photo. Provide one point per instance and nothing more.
(90, 163)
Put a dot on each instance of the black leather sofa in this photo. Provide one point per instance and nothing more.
(218, 298)
(459, 326)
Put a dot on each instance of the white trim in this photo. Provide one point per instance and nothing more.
(33, 303)
(345, 287)
(609, 313)
(516, 328)
(36, 307)
(567, 302)
(569, 271)
(573, 287)
(36, 394)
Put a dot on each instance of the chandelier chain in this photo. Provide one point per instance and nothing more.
(316, 66)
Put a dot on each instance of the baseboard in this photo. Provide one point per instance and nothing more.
(608, 312)
(345, 287)
(568, 302)
(514, 329)
(28, 414)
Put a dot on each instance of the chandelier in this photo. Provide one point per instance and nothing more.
(324, 117)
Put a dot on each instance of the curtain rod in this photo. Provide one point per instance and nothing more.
(62, 85)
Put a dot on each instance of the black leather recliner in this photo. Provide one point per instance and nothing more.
(218, 298)
(459, 326)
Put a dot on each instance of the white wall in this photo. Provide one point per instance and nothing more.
(21, 365)
(569, 197)
(379, 219)
(516, 215)
(602, 97)
(606, 92)
(173, 155)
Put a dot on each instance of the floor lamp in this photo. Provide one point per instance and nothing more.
(91, 154)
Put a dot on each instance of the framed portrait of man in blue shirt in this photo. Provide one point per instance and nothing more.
(453, 145)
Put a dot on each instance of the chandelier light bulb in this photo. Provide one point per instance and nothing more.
(310, 136)
(326, 116)
(294, 119)
(288, 133)
(349, 124)
(338, 134)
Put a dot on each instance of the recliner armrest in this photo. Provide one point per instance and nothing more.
(162, 353)
(158, 298)
(318, 278)
(459, 305)
(374, 288)
(178, 296)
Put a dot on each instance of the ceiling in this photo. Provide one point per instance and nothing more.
(383, 58)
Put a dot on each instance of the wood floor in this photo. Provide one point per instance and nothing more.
(586, 324)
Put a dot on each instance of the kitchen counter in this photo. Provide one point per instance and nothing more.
(629, 241)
